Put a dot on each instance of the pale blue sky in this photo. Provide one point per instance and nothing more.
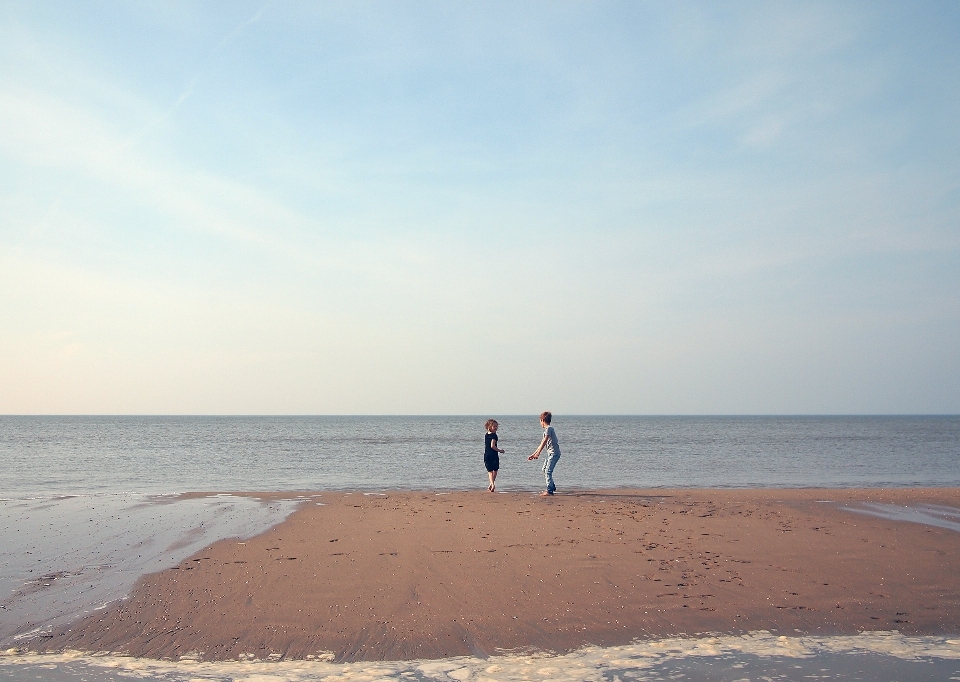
(481, 208)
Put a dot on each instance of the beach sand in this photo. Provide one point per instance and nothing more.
(424, 575)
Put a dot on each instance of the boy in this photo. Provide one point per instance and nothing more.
(549, 442)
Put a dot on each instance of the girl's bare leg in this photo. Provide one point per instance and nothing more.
(493, 481)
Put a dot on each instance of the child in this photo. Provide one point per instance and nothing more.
(491, 453)
(553, 452)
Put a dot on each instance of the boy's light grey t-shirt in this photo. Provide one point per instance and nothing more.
(553, 447)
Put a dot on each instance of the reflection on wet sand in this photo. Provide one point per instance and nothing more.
(937, 515)
(65, 557)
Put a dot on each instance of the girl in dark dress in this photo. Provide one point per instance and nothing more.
(491, 453)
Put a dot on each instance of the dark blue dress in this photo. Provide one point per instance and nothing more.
(491, 458)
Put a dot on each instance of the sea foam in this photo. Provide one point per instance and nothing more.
(681, 657)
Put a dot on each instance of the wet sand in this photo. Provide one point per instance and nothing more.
(67, 556)
(421, 575)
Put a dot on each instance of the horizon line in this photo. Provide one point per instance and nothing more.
(478, 414)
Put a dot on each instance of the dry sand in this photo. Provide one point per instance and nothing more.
(423, 575)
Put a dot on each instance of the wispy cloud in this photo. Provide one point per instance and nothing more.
(238, 31)
(40, 130)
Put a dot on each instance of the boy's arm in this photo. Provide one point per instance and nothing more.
(543, 444)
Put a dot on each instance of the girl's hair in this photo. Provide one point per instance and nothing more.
(490, 423)
(545, 417)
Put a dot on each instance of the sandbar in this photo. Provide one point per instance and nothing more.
(422, 575)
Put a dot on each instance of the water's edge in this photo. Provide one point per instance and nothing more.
(676, 658)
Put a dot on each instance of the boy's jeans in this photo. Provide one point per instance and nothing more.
(548, 464)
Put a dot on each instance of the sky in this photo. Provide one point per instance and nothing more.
(479, 207)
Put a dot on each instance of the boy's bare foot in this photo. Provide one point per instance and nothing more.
(545, 493)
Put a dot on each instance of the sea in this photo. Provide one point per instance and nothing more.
(88, 504)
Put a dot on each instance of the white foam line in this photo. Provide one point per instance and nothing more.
(587, 664)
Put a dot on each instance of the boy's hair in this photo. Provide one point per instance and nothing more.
(491, 422)
(545, 417)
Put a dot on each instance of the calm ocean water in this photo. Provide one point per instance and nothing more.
(44, 455)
